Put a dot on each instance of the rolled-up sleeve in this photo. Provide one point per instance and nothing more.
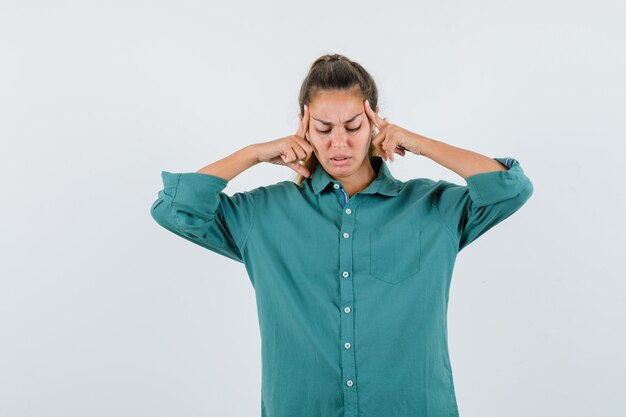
(486, 200)
(193, 206)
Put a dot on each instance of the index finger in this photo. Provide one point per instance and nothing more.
(304, 123)
(376, 120)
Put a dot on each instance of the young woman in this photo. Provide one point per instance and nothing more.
(351, 267)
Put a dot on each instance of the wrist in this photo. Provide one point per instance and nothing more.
(249, 154)
(424, 145)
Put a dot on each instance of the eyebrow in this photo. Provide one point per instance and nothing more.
(332, 124)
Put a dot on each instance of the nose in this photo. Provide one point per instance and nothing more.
(339, 140)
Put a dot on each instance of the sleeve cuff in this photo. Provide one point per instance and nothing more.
(491, 187)
(191, 185)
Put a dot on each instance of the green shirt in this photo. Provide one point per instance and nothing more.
(351, 293)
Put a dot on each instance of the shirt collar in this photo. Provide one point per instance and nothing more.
(384, 183)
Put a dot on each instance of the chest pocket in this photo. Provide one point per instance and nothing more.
(395, 252)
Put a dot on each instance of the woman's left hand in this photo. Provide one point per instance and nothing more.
(392, 138)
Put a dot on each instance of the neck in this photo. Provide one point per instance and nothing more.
(359, 183)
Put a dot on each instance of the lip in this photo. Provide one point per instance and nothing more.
(340, 163)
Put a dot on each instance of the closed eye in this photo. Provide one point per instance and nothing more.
(324, 132)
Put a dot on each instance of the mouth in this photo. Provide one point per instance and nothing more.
(340, 161)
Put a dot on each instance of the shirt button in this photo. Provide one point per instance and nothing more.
(347, 309)
(346, 235)
(346, 274)
(348, 211)
(349, 383)
(347, 345)
(336, 186)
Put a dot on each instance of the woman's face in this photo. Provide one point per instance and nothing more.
(339, 126)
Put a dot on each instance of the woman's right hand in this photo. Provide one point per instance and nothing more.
(289, 150)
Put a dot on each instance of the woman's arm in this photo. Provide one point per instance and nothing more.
(496, 187)
(392, 138)
(288, 151)
(462, 161)
(488, 198)
(234, 164)
(193, 205)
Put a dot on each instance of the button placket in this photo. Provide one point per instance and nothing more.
(347, 311)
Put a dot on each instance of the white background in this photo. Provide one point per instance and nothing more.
(105, 313)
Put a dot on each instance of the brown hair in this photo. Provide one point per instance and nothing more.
(335, 72)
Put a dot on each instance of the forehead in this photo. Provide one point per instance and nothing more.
(336, 106)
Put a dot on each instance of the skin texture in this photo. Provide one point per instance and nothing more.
(336, 107)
